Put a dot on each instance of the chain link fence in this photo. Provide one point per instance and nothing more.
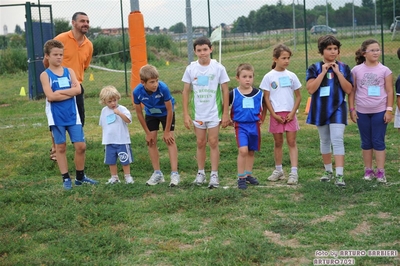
(250, 31)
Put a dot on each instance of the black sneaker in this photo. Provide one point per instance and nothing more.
(252, 180)
(242, 183)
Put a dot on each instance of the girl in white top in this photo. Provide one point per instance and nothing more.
(280, 85)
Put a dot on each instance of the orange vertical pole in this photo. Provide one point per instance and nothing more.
(308, 105)
(137, 46)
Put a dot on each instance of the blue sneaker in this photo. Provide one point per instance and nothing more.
(67, 184)
(242, 183)
(85, 180)
(252, 180)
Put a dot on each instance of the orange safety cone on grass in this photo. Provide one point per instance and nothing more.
(308, 105)
(22, 92)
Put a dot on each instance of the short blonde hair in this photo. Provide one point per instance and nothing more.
(109, 92)
(148, 72)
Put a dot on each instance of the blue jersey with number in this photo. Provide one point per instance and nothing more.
(61, 113)
(154, 102)
(328, 102)
(246, 108)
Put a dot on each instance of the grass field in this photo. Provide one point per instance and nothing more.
(271, 224)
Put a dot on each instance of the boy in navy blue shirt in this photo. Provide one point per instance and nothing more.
(155, 97)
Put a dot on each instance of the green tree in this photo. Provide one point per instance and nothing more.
(61, 25)
(368, 4)
(178, 28)
(240, 25)
(18, 30)
(387, 11)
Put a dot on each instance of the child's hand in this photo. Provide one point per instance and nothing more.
(280, 119)
(168, 137)
(225, 121)
(335, 68)
(149, 140)
(187, 121)
(289, 117)
(353, 116)
(116, 111)
(388, 117)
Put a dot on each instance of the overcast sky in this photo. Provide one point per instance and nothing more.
(163, 13)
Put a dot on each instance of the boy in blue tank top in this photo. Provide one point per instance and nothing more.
(60, 86)
(247, 114)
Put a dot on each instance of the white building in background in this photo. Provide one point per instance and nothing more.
(5, 30)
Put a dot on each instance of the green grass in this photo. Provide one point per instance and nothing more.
(272, 224)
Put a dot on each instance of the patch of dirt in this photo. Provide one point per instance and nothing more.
(362, 228)
(328, 218)
(295, 261)
(276, 239)
(384, 215)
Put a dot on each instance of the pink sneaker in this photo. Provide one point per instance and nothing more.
(380, 176)
(369, 174)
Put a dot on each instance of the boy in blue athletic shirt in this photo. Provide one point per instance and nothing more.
(155, 97)
(60, 86)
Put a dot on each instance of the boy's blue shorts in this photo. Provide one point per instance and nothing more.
(75, 133)
(248, 134)
(121, 151)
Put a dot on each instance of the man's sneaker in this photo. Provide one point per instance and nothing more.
(113, 180)
(340, 181)
(252, 180)
(369, 175)
(380, 176)
(293, 179)
(129, 180)
(327, 177)
(214, 182)
(155, 179)
(200, 179)
(276, 175)
(85, 180)
(67, 184)
(175, 178)
(242, 183)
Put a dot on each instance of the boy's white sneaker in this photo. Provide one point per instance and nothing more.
(175, 178)
(214, 181)
(129, 180)
(276, 175)
(200, 179)
(155, 179)
(113, 180)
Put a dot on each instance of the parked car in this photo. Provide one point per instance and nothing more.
(321, 29)
(397, 26)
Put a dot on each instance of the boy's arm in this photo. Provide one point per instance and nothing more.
(225, 113)
(139, 114)
(50, 94)
(265, 108)
(75, 86)
(168, 137)
(122, 115)
(185, 105)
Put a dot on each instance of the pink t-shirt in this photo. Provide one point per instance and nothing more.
(370, 95)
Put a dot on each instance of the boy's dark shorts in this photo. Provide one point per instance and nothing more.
(153, 122)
